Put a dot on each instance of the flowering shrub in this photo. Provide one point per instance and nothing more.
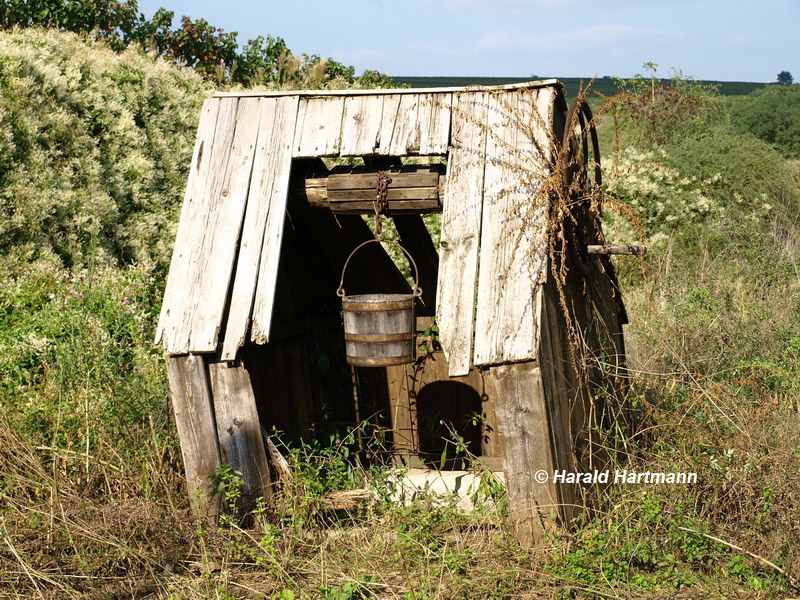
(661, 195)
(94, 149)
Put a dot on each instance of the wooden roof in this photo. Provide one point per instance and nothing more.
(526, 85)
(237, 191)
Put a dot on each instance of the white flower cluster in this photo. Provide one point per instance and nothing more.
(659, 194)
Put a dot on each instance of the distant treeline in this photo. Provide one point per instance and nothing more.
(605, 85)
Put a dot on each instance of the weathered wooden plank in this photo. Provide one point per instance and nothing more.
(397, 206)
(513, 237)
(461, 230)
(422, 176)
(391, 106)
(405, 136)
(192, 219)
(240, 442)
(221, 238)
(409, 193)
(434, 123)
(194, 418)
(361, 126)
(204, 225)
(543, 119)
(522, 418)
(265, 209)
(319, 127)
(278, 169)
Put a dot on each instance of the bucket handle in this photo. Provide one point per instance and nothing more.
(416, 292)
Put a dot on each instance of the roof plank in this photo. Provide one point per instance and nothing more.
(361, 125)
(461, 230)
(391, 105)
(402, 91)
(319, 127)
(266, 203)
(434, 124)
(192, 220)
(513, 237)
(221, 238)
(198, 225)
(274, 188)
(405, 135)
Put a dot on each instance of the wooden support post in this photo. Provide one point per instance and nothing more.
(240, 442)
(194, 417)
(415, 238)
(534, 501)
(403, 414)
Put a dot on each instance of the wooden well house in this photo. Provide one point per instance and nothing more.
(251, 325)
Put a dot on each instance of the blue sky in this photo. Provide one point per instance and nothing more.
(729, 40)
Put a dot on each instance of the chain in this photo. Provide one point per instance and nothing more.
(381, 202)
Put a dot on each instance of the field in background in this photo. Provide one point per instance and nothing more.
(602, 85)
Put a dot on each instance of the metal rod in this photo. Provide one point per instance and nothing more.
(616, 250)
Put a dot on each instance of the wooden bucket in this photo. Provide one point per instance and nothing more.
(379, 329)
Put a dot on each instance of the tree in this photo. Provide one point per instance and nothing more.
(785, 78)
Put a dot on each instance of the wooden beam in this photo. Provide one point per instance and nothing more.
(194, 417)
(415, 238)
(240, 442)
(600, 249)
(416, 189)
(522, 417)
(367, 178)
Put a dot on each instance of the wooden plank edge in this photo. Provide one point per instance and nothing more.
(377, 92)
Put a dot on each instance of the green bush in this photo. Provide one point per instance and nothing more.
(773, 115)
(654, 112)
(715, 178)
(94, 149)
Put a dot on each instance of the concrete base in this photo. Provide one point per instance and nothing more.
(469, 488)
